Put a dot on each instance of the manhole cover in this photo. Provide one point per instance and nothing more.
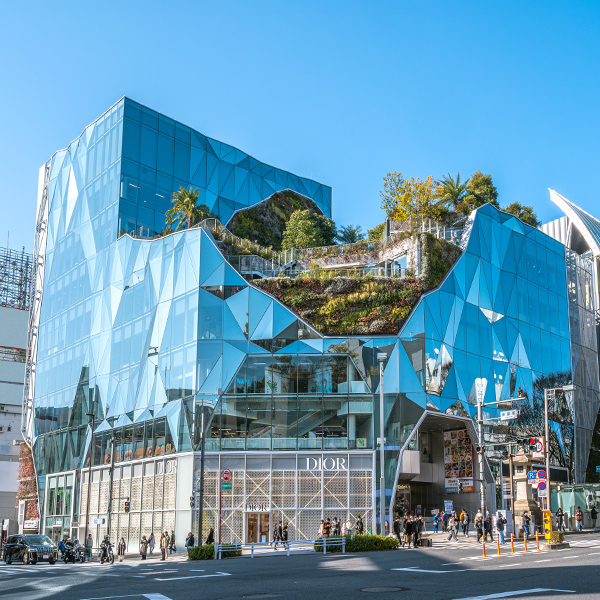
(259, 596)
(375, 590)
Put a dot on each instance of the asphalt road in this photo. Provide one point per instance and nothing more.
(448, 572)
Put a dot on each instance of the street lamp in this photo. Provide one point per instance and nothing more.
(547, 393)
(92, 417)
(381, 358)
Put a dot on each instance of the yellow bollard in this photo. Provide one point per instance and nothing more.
(483, 546)
(498, 546)
(537, 540)
(525, 542)
(512, 543)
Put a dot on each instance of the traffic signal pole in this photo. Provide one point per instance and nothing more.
(547, 450)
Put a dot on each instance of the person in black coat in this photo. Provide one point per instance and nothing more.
(210, 538)
(397, 526)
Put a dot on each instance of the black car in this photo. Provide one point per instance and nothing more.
(30, 549)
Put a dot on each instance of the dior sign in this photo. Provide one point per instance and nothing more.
(168, 467)
(326, 464)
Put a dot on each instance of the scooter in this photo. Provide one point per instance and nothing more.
(109, 557)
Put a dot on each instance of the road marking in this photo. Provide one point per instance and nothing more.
(417, 570)
(155, 597)
(446, 564)
(545, 560)
(593, 553)
(571, 556)
(218, 574)
(513, 565)
(516, 593)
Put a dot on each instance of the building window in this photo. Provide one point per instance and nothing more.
(12, 354)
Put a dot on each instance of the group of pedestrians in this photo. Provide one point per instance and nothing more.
(337, 527)
(561, 516)
(409, 530)
(166, 544)
(280, 534)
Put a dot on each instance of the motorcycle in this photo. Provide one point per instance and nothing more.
(69, 555)
(80, 554)
(106, 554)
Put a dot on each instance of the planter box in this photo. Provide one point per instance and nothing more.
(558, 546)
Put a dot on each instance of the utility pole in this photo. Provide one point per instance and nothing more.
(201, 490)
(511, 474)
(110, 485)
(381, 357)
(91, 415)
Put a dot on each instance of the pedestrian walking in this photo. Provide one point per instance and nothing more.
(479, 525)
(89, 544)
(435, 523)
(144, 547)
(163, 545)
(344, 528)
(151, 543)
(579, 518)
(594, 516)
(500, 523)
(284, 532)
(360, 526)
(408, 529)
(446, 518)
(488, 528)
(326, 528)
(121, 549)
(321, 526)
(210, 538)
(416, 529)
(274, 537)
(172, 546)
(465, 520)
(398, 529)
(525, 522)
(560, 519)
(348, 527)
(190, 542)
(453, 527)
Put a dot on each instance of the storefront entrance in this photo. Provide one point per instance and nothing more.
(257, 529)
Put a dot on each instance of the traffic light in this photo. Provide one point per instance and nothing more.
(191, 501)
(126, 506)
(532, 444)
(548, 525)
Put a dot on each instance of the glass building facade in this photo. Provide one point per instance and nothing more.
(156, 336)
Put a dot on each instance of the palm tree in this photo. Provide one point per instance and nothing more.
(450, 191)
(349, 234)
(184, 208)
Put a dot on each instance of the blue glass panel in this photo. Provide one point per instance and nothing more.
(149, 147)
(166, 151)
(131, 139)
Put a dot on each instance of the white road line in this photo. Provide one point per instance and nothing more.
(545, 560)
(593, 553)
(446, 564)
(513, 565)
(218, 574)
(571, 556)
(417, 570)
(516, 593)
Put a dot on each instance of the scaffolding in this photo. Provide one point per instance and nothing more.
(16, 270)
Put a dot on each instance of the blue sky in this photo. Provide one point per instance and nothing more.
(339, 91)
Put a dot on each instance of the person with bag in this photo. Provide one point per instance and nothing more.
(172, 546)
(144, 547)
(210, 538)
(560, 519)
(190, 542)
(594, 516)
(579, 518)
(525, 523)
(151, 542)
(398, 530)
(465, 520)
(479, 525)
(408, 531)
(121, 550)
(453, 526)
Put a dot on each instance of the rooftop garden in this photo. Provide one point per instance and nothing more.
(363, 304)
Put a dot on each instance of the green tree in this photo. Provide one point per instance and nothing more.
(523, 212)
(480, 191)
(417, 198)
(307, 229)
(376, 233)
(392, 182)
(450, 191)
(350, 234)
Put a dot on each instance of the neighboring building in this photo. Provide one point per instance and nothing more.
(157, 336)
(15, 283)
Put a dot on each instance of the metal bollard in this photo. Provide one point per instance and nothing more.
(537, 540)
(343, 544)
(483, 546)
(252, 550)
(324, 545)
(512, 543)
(288, 548)
(498, 546)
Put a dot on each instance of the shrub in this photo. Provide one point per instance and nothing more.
(359, 543)
(207, 552)
(558, 537)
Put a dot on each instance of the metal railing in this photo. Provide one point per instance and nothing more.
(257, 548)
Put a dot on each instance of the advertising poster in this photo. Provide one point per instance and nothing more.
(458, 461)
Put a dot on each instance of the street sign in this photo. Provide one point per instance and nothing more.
(226, 475)
(542, 493)
(598, 469)
(509, 415)
(542, 485)
(539, 448)
(531, 474)
(98, 521)
(225, 485)
(541, 474)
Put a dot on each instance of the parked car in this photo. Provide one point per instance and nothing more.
(30, 549)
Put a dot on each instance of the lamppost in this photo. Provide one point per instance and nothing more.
(201, 489)
(381, 358)
(547, 393)
(92, 418)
